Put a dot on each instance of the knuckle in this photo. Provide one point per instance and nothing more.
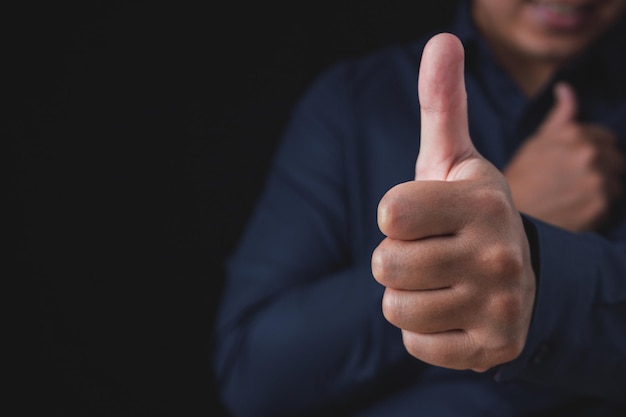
(503, 260)
(475, 350)
(480, 358)
(494, 349)
(384, 263)
(587, 153)
(506, 337)
(507, 307)
(413, 347)
(595, 181)
(594, 195)
(602, 135)
(470, 353)
(390, 212)
(381, 264)
(507, 350)
(392, 308)
(596, 207)
(493, 202)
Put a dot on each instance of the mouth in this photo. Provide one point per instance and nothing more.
(562, 15)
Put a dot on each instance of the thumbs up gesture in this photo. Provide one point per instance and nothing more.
(568, 173)
(455, 261)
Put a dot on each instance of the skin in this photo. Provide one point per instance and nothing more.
(458, 277)
(569, 173)
(455, 262)
(532, 41)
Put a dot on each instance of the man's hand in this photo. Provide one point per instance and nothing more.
(568, 173)
(455, 262)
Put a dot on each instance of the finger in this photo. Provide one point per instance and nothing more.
(565, 107)
(601, 135)
(477, 349)
(445, 136)
(431, 311)
(452, 349)
(419, 209)
(426, 264)
(609, 160)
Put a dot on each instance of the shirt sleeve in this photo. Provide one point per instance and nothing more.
(300, 324)
(577, 337)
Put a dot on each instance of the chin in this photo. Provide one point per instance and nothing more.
(550, 49)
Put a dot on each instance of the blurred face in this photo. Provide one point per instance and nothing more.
(552, 30)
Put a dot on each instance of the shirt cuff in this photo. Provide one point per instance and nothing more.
(562, 301)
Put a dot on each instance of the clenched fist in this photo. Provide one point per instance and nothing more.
(455, 261)
(569, 173)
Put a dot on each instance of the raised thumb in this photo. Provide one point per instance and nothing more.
(445, 139)
(565, 107)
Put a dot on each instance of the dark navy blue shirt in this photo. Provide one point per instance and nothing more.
(300, 329)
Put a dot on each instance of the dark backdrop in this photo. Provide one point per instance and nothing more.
(142, 132)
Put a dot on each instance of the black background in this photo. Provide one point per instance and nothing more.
(141, 134)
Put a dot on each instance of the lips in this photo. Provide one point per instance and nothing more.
(561, 15)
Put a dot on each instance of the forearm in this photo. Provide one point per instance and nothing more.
(306, 345)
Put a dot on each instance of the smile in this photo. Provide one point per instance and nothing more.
(562, 16)
(565, 9)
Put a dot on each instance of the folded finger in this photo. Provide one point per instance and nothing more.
(424, 264)
(431, 311)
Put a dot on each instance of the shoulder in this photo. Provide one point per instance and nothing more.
(381, 64)
(378, 79)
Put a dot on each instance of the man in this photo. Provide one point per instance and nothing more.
(501, 313)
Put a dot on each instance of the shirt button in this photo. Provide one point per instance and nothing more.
(540, 354)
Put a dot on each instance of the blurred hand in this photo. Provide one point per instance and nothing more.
(455, 262)
(569, 173)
